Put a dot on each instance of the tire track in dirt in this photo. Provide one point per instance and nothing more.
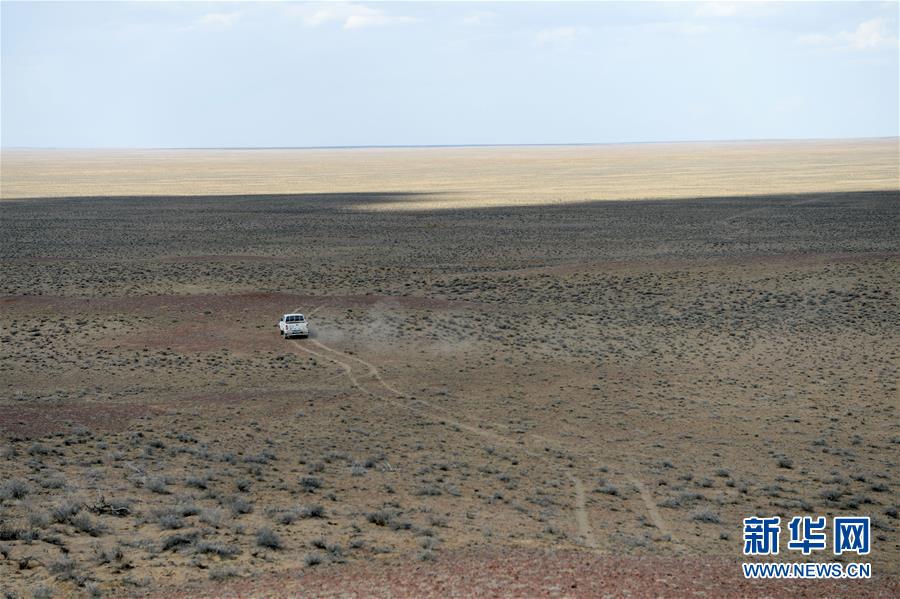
(646, 497)
(581, 503)
(584, 527)
(652, 508)
(585, 530)
(582, 519)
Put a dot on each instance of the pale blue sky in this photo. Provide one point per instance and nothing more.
(297, 74)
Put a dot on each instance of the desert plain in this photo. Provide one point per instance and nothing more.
(533, 371)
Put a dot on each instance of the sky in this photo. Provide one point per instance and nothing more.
(192, 74)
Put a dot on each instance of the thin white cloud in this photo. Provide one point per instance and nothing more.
(556, 36)
(686, 28)
(480, 17)
(716, 9)
(728, 10)
(869, 34)
(214, 21)
(689, 28)
(350, 16)
(375, 19)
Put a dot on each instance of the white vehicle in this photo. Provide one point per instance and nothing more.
(293, 325)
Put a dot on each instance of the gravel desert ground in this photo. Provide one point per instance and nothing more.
(546, 389)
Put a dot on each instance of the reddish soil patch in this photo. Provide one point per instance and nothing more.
(37, 421)
(199, 337)
(236, 397)
(511, 572)
(250, 303)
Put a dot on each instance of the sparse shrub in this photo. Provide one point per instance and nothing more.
(607, 488)
(215, 548)
(396, 524)
(426, 555)
(785, 462)
(187, 509)
(14, 489)
(312, 511)
(199, 482)
(313, 559)
(287, 517)
(106, 556)
(53, 482)
(429, 490)
(36, 449)
(211, 517)
(177, 541)
(239, 505)
(83, 523)
(42, 592)
(263, 457)
(771, 490)
(705, 515)
(223, 573)
(8, 533)
(243, 485)
(170, 521)
(851, 503)
(63, 567)
(158, 484)
(832, 494)
(265, 537)
(380, 518)
(36, 520)
(429, 542)
(64, 511)
(683, 499)
(310, 483)
(438, 521)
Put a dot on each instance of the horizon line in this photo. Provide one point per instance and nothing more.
(461, 145)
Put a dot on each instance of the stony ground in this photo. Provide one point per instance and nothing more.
(610, 385)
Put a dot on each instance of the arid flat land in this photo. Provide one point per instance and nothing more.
(503, 394)
(454, 177)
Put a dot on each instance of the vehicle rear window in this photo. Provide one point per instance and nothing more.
(294, 319)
